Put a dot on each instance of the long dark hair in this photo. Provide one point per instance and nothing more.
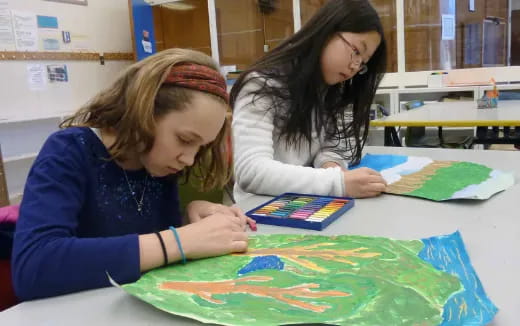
(300, 95)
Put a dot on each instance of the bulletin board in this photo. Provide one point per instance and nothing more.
(40, 31)
(62, 56)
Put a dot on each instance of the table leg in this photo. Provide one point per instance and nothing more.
(391, 137)
(441, 136)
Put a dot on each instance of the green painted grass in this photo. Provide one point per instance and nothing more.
(447, 181)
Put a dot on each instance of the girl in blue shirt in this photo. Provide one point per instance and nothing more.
(102, 194)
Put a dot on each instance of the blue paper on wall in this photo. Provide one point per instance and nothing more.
(47, 21)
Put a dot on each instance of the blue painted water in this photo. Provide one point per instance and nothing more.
(261, 263)
(380, 162)
(471, 306)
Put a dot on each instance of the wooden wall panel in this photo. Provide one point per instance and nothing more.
(184, 28)
(497, 8)
(387, 13)
(279, 24)
(309, 8)
(241, 49)
(236, 16)
(158, 28)
(422, 24)
(240, 32)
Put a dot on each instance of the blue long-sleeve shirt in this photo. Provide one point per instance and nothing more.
(79, 219)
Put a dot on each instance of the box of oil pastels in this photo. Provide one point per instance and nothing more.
(301, 210)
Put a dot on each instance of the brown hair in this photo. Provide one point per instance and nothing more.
(138, 98)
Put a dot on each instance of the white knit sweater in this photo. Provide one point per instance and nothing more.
(264, 165)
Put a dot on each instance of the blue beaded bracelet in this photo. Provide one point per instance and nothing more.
(178, 244)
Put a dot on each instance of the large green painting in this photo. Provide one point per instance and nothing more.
(341, 280)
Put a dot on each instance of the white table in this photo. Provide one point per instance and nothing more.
(491, 232)
(452, 114)
(455, 114)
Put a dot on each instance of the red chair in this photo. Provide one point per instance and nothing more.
(8, 217)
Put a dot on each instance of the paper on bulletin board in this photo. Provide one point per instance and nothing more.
(472, 5)
(49, 40)
(57, 73)
(80, 42)
(448, 27)
(6, 31)
(36, 76)
(25, 30)
(47, 21)
(147, 46)
(49, 35)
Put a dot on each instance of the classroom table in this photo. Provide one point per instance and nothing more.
(490, 229)
(457, 114)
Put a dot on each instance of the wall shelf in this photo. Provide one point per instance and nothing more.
(65, 56)
(21, 157)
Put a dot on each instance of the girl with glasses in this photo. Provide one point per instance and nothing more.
(301, 113)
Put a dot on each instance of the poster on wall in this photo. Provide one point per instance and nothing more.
(25, 30)
(6, 31)
(36, 76)
(448, 27)
(147, 45)
(80, 42)
(48, 32)
(57, 73)
(471, 5)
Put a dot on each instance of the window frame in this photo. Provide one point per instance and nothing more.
(401, 78)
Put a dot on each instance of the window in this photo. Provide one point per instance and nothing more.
(438, 34)
(450, 34)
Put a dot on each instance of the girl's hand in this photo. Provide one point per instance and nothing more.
(214, 235)
(199, 209)
(363, 182)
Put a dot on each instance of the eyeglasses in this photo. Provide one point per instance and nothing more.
(355, 57)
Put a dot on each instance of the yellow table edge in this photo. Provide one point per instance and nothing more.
(443, 123)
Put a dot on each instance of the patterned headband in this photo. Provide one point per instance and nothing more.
(198, 77)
